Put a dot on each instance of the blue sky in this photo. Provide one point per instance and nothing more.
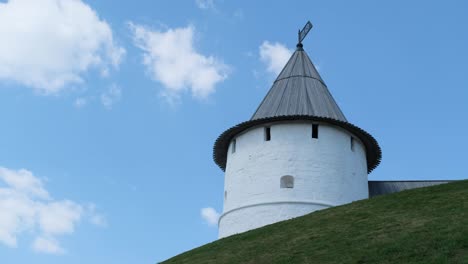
(109, 111)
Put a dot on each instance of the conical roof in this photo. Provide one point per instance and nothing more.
(299, 90)
(299, 93)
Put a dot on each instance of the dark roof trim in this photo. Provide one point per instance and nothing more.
(298, 75)
(373, 151)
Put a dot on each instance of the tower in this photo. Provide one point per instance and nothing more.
(297, 154)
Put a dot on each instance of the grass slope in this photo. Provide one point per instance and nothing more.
(427, 225)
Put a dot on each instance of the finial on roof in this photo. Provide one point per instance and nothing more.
(303, 33)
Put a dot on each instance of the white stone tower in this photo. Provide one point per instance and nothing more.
(297, 154)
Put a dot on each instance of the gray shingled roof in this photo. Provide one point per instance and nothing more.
(299, 93)
(299, 90)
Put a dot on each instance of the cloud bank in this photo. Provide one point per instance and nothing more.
(210, 216)
(274, 56)
(171, 59)
(50, 44)
(27, 207)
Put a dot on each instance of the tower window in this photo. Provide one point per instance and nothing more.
(314, 130)
(352, 143)
(225, 195)
(287, 182)
(233, 147)
(267, 134)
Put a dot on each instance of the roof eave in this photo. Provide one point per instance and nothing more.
(373, 150)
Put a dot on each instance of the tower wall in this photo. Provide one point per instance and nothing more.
(326, 172)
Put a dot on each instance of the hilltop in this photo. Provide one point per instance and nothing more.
(426, 225)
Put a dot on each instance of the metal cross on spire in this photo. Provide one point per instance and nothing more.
(303, 33)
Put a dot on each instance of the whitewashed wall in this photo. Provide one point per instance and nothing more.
(326, 173)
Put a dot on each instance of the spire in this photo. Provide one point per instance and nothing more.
(299, 90)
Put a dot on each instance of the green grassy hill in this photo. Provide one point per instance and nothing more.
(427, 225)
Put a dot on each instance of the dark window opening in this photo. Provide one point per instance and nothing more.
(233, 147)
(225, 195)
(267, 134)
(314, 130)
(287, 182)
(352, 143)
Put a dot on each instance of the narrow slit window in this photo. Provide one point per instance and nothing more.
(314, 130)
(225, 195)
(352, 144)
(287, 182)
(267, 134)
(233, 147)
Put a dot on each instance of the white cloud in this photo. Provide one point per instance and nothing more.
(47, 245)
(24, 182)
(210, 216)
(94, 217)
(80, 102)
(98, 220)
(111, 96)
(57, 218)
(171, 59)
(49, 44)
(274, 55)
(27, 207)
(205, 4)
